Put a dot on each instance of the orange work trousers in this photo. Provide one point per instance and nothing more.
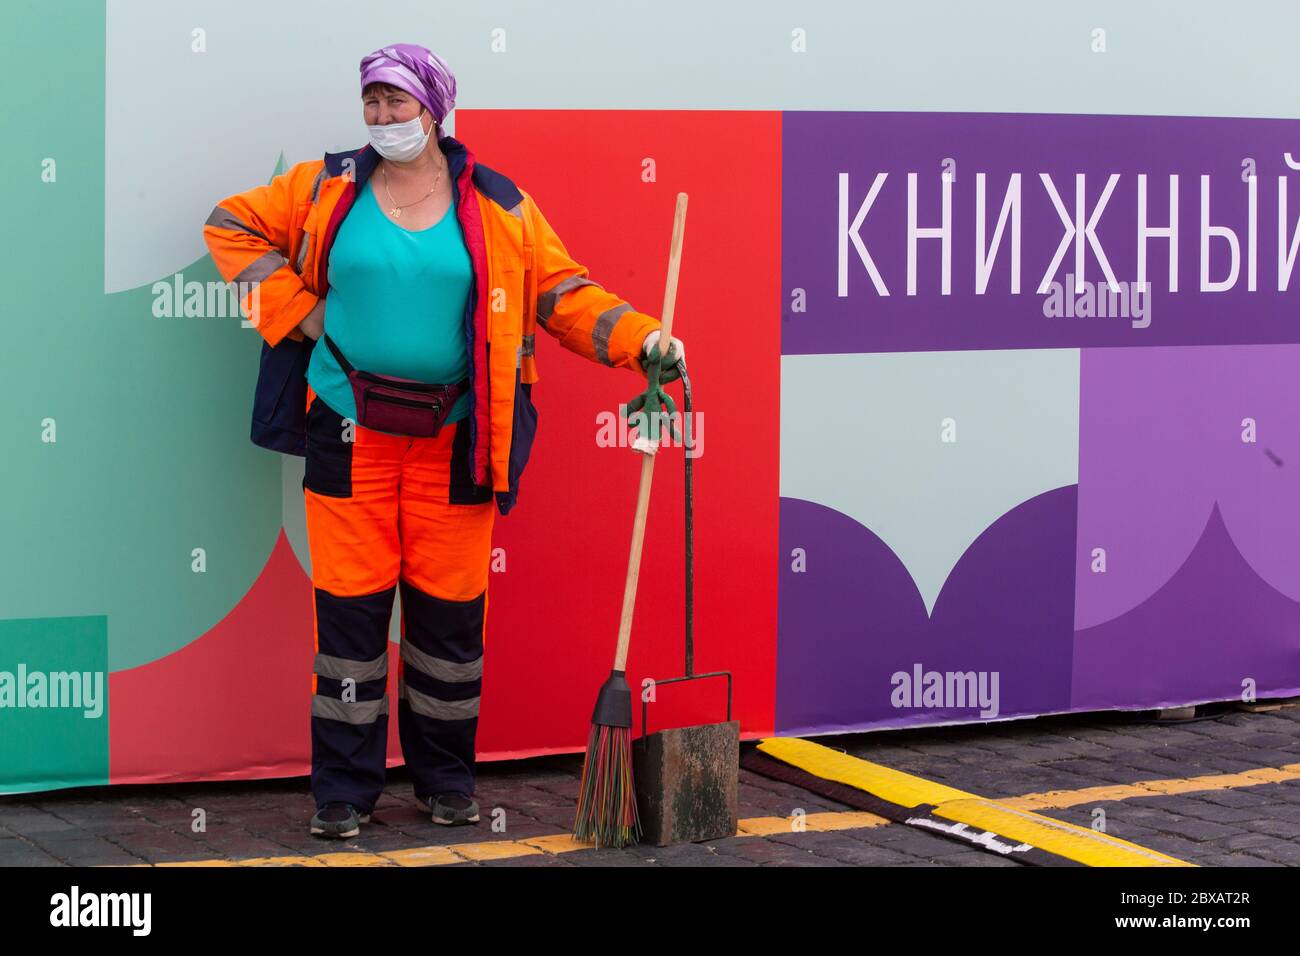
(389, 513)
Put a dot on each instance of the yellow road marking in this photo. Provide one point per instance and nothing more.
(556, 843)
(194, 863)
(893, 786)
(423, 856)
(816, 822)
(1152, 788)
(353, 858)
(496, 850)
(1054, 836)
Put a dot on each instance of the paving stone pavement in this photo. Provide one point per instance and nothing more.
(1244, 826)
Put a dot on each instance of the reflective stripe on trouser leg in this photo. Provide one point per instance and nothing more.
(350, 493)
(446, 548)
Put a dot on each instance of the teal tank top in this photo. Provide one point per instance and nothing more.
(395, 305)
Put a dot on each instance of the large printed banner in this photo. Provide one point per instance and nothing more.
(1037, 449)
(1040, 415)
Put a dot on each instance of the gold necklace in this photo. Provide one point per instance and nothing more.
(395, 210)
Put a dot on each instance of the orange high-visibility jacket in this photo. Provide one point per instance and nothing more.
(277, 239)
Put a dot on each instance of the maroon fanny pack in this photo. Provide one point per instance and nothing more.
(400, 406)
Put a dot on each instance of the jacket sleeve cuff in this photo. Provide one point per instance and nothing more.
(638, 328)
(282, 324)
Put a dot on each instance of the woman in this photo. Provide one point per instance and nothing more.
(426, 274)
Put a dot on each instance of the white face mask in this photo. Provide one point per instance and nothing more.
(400, 142)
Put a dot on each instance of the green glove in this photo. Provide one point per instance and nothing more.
(654, 399)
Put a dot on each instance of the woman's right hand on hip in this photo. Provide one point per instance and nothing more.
(313, 324)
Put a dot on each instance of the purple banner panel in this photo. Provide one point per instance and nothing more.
(854, 629)
(938, 231)
(1187, 569)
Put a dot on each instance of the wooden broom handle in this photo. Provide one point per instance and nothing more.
(648, 461)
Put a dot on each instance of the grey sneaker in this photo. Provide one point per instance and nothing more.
(453, 809)
(338, 820)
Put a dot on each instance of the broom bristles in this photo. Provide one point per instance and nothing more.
(607, 794)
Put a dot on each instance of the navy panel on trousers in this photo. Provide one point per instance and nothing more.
(438, 705)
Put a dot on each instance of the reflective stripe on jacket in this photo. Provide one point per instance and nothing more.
(278, 238)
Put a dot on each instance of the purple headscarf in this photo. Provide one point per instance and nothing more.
(423, 74)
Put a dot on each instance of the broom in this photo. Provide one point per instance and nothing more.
(607, 794)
